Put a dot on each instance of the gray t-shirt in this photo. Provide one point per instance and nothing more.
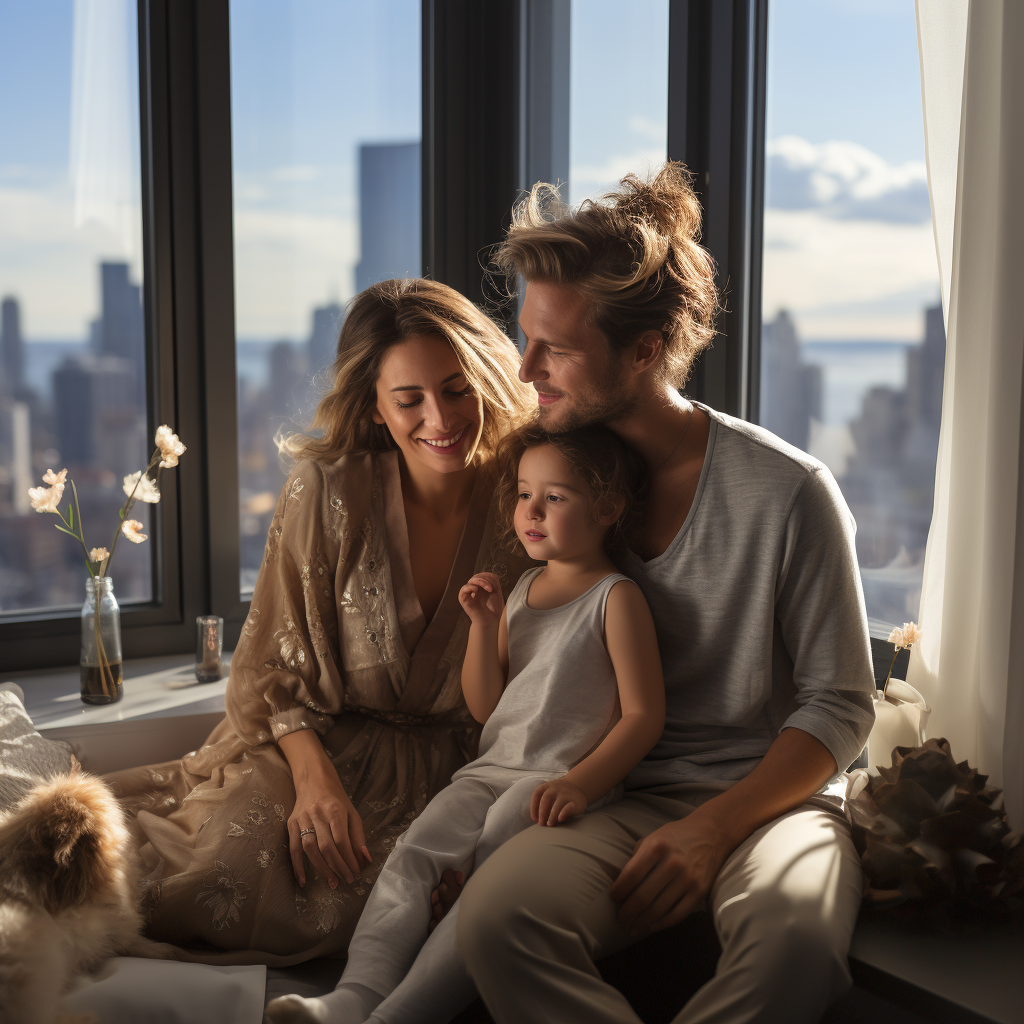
(759, 613)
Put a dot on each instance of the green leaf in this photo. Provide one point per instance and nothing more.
(68, 532)
(71, 516)
(120, 513)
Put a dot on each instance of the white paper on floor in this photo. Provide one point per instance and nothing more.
(166, 992)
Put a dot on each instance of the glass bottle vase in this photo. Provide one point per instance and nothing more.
(101, 643)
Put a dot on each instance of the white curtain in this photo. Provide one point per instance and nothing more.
(970, 661)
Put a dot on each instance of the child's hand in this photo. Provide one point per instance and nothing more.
(556, 801)
(481, 597)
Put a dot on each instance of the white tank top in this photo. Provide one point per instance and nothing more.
(562, 697)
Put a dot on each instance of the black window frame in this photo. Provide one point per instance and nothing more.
(716, 126)
(488, 70)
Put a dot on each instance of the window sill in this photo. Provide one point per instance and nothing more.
(163, 714)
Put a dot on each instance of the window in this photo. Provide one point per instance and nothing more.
(72, 338)
(852, 339)
(289, 152)
(326, 111)
(618, 93)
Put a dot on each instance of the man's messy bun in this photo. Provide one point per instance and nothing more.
(634, 253)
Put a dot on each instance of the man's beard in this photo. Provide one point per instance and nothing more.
(608, 401)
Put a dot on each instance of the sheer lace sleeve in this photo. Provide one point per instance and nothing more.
(285, 672)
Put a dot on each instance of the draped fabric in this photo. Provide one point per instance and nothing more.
(970, 661)
(335, 641)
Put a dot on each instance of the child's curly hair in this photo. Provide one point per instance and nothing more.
(607, 465)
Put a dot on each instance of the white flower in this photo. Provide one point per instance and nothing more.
(911, 633)
(46, 499)
(169, 445)
(132, 529)
(906, 635)
(142, 486)
(98, 554)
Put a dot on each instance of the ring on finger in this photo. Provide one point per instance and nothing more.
(307, 832)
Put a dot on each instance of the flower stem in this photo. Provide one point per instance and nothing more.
(81, 534)
(127, 507)
(889, 673)
(101, 653)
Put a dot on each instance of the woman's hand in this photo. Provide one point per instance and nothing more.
(323, 824)
(326, 828)
(556, 801)
(481, 597)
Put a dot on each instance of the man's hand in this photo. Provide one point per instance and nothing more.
(443, 898)
(669, 874)
(556, 801)
(482, 600)
(673, 869)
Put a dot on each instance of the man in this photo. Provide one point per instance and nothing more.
(747, 560)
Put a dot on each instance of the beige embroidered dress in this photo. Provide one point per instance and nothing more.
(335, 641)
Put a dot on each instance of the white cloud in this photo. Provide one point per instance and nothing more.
(844, 181)
(848, 278)
(650, 128)
(299, 172)
(287, 263)
(51, 266)
(592, 180)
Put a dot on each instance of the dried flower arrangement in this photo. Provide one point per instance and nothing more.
(138, 486)
(934, 841)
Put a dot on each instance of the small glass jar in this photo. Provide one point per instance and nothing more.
(101, 643)
(209, 644)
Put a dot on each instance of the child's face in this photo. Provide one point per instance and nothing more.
(554, 515)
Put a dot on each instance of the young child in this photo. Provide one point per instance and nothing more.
(567, 681)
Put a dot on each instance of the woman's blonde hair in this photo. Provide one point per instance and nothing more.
(635, 254)
(385, 314)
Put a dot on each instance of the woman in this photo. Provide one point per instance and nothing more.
(344, 709)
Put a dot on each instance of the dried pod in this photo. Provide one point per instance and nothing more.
(934, 840)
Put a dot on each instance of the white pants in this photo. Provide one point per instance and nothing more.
(422, 978)
(784, 904)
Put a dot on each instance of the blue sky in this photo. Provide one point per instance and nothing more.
(35, 83)
(313, 78)
(846, 69)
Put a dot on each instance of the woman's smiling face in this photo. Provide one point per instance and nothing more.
(428, 405)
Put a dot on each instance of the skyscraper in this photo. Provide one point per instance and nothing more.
(12, 351)
(284, 377)
(790, 389)
(926, 366)
(120, 330)
(92, 397)
(389, 212)
(323, 338)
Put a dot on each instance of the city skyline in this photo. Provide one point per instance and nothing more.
(296, 157)
(89, 417)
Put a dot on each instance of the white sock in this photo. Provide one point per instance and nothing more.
(347, 1004)
(294, 1010)
(350, 1003)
